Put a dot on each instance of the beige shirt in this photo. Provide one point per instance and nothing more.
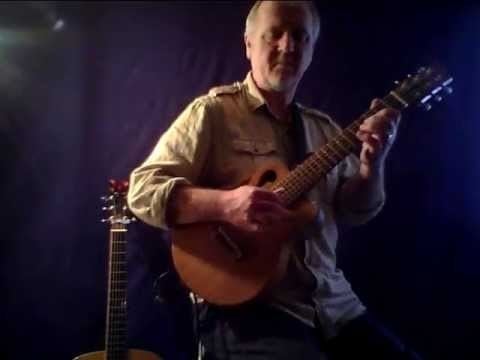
(218, 141)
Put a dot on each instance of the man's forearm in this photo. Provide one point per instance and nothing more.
(365, 191)
(190, 204)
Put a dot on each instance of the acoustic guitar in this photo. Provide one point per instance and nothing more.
(226, 266)
(116, 321)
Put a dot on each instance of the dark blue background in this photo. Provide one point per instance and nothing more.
(88, 103)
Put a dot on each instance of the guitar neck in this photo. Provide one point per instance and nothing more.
(116, 324)
(321, 162)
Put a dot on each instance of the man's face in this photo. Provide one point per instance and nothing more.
(280, 45)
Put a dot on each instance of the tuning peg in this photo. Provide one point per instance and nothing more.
(396, 82)
(106, 198)
(448, 90)
(427, 106)
(106, 220)
(106, 208)
(438, 98)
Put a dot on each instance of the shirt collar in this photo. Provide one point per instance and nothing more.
(255, 98)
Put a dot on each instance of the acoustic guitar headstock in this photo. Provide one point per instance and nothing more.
(428, 84)
(116, 203)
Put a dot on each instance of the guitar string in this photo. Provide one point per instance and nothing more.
(300, 178)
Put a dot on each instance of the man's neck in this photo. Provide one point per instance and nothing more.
(278, 104)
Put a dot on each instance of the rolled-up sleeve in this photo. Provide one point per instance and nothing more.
(360, 214)
(179, 157)
(346, 212)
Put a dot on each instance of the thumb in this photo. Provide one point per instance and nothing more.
(376, 104)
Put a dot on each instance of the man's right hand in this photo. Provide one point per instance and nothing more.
(252, 208)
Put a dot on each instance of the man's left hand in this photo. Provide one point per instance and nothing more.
(377, 133)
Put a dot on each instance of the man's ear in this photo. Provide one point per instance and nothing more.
(248, 46)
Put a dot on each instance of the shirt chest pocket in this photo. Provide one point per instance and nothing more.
(246, 155)
(255, 150)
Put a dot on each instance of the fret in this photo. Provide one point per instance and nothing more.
(331, 146)
(312, 170)
(399, 101)
(315, 164)
(330, 162)
(305, 175)
(117, 344)
(303, 172)
(117, 318)
(118, 252)
(117, 337)
(351, 143)
(320, 160)
(117, 281)
(117, 291)
(117, 299)
(331, 151)
(120, 306)
(352, 132)
(117, 312)
(337, 141)
(117, 315)
(118, 331)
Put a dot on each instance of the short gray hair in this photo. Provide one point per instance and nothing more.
(309, 4)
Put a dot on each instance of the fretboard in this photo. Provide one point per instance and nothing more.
(116, 329)
(320, 163)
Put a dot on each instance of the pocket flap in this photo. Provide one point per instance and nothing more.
(258, 147)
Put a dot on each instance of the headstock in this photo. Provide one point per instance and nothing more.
(429, 83)
(116, 203)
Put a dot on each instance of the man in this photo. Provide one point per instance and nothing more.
(218, 140)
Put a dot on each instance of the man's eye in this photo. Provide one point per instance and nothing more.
(273, 35)
(301, 37)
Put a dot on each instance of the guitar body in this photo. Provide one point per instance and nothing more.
(133, 354)
(226, 266)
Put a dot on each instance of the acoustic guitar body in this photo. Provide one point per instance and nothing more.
(226, 266)
(133, 354)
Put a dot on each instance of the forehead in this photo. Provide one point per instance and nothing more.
(288, 14)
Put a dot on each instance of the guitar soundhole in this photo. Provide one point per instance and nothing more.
(267, 178)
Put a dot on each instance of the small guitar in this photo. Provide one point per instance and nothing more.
(116, 322)
(226, 266)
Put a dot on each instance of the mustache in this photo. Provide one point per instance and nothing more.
(287, 60)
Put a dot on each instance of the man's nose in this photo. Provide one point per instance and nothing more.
(286, 43)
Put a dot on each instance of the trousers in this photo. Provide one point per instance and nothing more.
(261, 332)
